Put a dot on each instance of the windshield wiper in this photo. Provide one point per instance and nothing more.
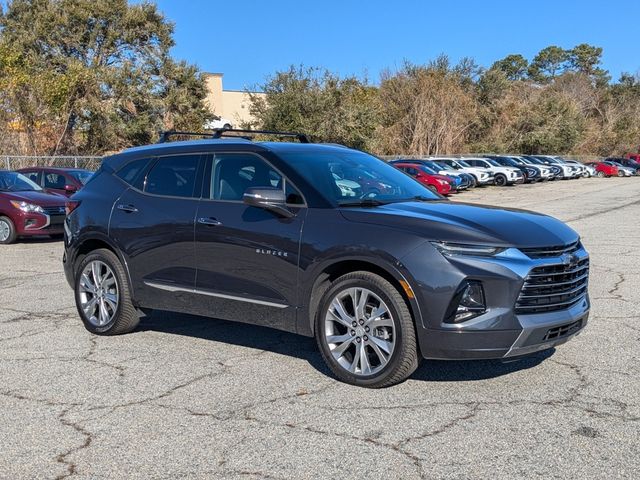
(418, 198)
(363, 202)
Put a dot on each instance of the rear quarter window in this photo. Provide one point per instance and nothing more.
(132, 172)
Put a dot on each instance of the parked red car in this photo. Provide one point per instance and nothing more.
(26, 209)
(434, 182)
(65, 181)
(604, 169)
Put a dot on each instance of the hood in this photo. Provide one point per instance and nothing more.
(37, 198)
(467, 223)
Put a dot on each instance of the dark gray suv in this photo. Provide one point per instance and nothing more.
(323, 241)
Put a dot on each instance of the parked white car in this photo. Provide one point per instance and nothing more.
(220, 123)
(568, 171)
(586, 171)
(481, 176)
(502, 175)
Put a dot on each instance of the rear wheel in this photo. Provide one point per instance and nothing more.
(103, 296)
(600, 174)
(365, 331)
(7, 231)
(620, 173)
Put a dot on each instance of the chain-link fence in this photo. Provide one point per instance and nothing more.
(10, 162)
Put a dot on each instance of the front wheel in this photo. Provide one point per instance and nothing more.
(500, 180)
(620, 174)
(600, 174)
(103, 295)
(7, 231)
(365, 331)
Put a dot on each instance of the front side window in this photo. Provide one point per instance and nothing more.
(330, 172)
(173, 176)
(233, 173)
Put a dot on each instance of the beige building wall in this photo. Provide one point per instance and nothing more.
(232, 105)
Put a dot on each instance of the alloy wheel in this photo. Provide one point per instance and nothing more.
(98, 294)
(5, 231)
(360, 331)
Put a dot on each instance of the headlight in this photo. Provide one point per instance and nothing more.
(447, 248)
(442, 182)
(27, 207)
(531, 172)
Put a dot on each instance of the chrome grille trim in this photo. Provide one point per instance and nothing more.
(553, 287)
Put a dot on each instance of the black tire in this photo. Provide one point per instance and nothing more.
(620, 174)
(600, 174)
(7, 223)
(474, 181)
(404, 358)
(500, 180)
(126, 317)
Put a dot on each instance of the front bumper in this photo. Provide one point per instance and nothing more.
(33, 223)
(501, 332)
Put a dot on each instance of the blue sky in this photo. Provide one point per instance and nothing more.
(248, 40)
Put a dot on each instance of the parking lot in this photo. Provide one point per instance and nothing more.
(189, 397)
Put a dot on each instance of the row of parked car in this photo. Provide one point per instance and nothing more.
(447, 175)
(32, 200)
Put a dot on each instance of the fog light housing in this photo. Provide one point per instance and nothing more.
(467, 303)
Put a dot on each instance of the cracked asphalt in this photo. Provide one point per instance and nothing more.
(190, 397)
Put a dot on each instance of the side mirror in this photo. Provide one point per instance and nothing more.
(70, 189)
(269, 198)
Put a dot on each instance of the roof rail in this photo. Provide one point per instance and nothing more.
(224, 132)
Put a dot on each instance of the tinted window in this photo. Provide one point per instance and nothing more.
(173, 176)
(233, 173)
(131, 172)
(54, 180)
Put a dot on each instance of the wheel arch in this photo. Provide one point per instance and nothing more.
(95, 241)
(333, 269)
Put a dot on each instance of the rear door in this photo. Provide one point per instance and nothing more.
(247, 256)
(153, 223)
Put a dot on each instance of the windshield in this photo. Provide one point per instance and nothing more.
(82, 176)
(463, 163)
(16, 182)
(428, 170)
(444, 166)
(493, 162)
(349, 175)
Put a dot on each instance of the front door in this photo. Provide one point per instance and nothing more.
(247, 256)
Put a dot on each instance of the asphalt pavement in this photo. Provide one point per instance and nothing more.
(191, 397)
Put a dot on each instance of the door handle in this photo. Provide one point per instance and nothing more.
(209, 221)
(127, 208)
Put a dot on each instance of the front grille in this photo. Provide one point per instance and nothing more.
(553, 287)
(563, 330)
(546, 252)
(54, 210)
